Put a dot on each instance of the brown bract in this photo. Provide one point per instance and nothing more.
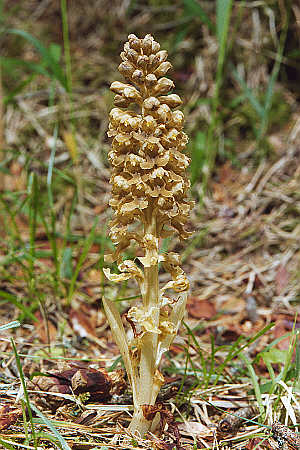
(148, 164)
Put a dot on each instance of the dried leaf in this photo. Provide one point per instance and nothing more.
(175, 318)
(231, 424)
(195, 429)
(44, 328)
(281, 279)
(78, 379)
(9, 416)
(83, 322)
(201, 309)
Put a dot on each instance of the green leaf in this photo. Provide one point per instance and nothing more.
(223, 17)
(274, 356)
(12, 299)
(193, 8)
(55, 51)
(63, 443)
(198, 154)
(47, 57)
(255, 383)
(66, 268)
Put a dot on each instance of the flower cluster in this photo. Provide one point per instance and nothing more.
(149, 167)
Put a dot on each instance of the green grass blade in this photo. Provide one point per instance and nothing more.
(224, 8)
(65, 268)
(50, 167)
(255, 337)
(193, 8)
(52, 232)
(21, 374)
(6, 444)
(47, 57)
(12, 299)
(86, 247)
(248, 93)
(255, 384)
(289, 355)
(62, 441)
(233, 350)
(197, 346)
(33, 195)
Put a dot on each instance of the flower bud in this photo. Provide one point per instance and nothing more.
(151, 80)
(162, 69)
(172, 100)
(163, 86)
(151, 103)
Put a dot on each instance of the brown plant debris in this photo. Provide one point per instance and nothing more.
(285, 438)
(166, 418)
(77, 379)
(231, 423)
(9, 416)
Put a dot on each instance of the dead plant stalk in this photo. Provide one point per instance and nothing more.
(150, 201)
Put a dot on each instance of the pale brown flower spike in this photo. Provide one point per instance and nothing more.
(150, 200)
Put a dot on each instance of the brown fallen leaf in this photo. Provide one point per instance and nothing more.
(9, 416)
(46, 331)
(200, 309)
(280, 330)
(79, 379)
(231, 424)
(195, 429)
(281, 279)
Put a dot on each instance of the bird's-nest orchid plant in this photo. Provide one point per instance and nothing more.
(150, 202)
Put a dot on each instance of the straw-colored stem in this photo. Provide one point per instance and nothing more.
(148, 385)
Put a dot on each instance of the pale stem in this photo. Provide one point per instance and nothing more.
(148, 385)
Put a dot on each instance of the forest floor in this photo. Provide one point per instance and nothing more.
(234, 369)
